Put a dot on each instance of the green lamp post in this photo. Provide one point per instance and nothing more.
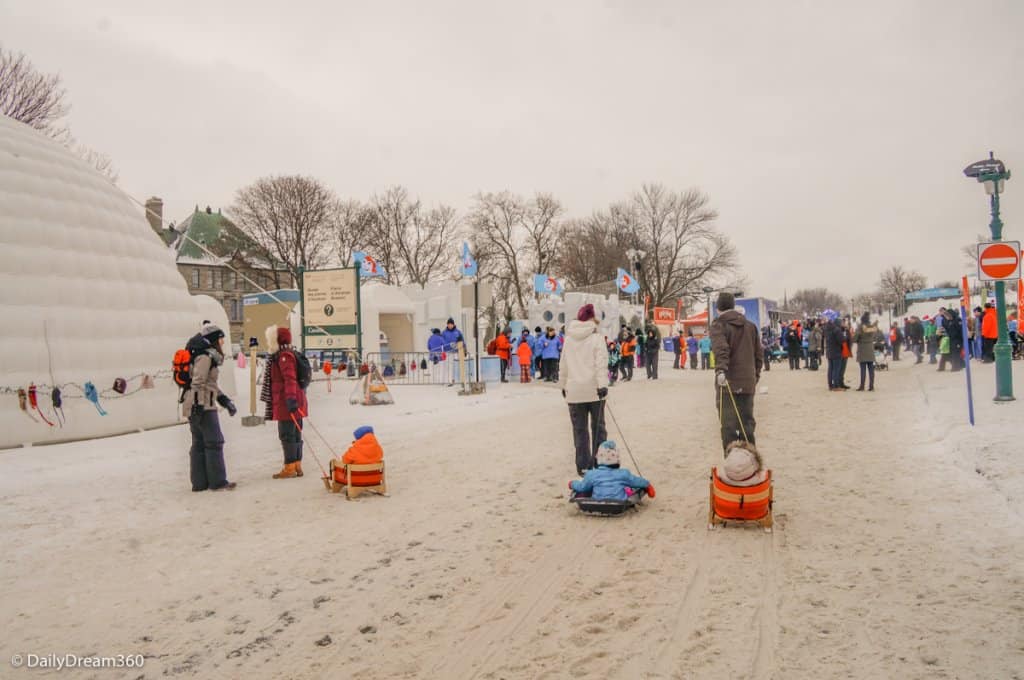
(992, 174)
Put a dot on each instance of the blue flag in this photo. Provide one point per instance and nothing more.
(468, 263)
(542, 283)
(368, 266)
(626, 282)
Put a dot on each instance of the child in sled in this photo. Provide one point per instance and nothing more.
(364, 450)
(743, 465)
(608, 481)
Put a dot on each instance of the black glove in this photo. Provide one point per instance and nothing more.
(292, 405)
(602, 392)
(228, 404)
(563, 394)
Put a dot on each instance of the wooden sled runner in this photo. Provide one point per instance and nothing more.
(356, 479)
(728, 503)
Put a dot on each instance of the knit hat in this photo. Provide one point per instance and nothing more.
(742, 465)
(284, 336)
(211, 332)
(538, 330)
(361, 431)
(586, 313)
(726, 301)
(450, 321)
(606, 453)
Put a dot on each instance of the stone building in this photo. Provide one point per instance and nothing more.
(217, 259)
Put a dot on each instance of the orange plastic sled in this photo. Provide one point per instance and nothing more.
(728, 503)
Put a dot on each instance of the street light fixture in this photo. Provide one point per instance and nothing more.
(992, 174)
(635, 257)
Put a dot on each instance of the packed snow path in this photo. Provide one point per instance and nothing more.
(897, 550)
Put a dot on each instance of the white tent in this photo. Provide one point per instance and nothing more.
(88, 293)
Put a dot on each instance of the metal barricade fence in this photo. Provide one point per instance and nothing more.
(415, 368)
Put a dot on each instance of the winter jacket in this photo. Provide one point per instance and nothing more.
(865, 337)
(628, 346)
(450, 338)
(677, 345)
(584, 366)
(814, 343)
(503, 347)
(605, 483)
(435, 345)
(524, 352)
(284, 385)
(915, 331)
(792, 338)
(737, 348)
(363, 451)
(204, 390)
(550, 347)
(834, 337)
(705, 344)
(990, 324)
(692, 345)
(652, 344)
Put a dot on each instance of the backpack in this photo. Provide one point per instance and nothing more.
(303, 370)
(492, 347)
(183, 360)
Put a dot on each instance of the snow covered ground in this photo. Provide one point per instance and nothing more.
(898, 548)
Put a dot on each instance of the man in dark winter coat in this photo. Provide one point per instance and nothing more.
(738, 361)
(834, 336)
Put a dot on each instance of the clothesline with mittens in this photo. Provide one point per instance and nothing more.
(29, 398)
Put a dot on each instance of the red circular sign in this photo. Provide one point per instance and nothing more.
(999, 261)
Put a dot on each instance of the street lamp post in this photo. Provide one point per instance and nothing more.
(707, 290)
(992, 174)
(635, 256)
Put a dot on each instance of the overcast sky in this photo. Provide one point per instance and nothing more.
(830, 136)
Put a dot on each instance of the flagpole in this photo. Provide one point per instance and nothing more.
(476, 325)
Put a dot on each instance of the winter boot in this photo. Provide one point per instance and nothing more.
(287, 472)
(298, 468)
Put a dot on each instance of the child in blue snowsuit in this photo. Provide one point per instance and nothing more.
(608, 481)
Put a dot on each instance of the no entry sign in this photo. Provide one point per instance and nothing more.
(999, 261)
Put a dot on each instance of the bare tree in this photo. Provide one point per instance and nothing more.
(394, 215)
(496, 222)
(289, 218)
(351, 229)
(39, 100)
(34, 98)
(895, 282)
(683, 249)
(588, 253)
(543, 230)
(814, 300)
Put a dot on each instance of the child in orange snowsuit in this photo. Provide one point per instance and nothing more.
(525, 354)
(365, 449)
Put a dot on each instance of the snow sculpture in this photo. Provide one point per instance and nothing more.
(88, 293)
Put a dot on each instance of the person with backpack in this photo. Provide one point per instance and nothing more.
(503, 348)
(285, 396)
(199, 403)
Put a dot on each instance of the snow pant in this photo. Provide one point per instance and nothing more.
(524, 374)
(842, 371)
(835, 373)
(794, 362)
(705, 361)
(538, 366)
(988, 349)
(550, 369)
(675, 361)
(933, 349)
(652, 365)
(504, 368)
(867, 368)
(943, 359)
(291, 439)
(693, 361)
(767, 360)
(626, 364)
(206, 457)
(588, 431)
(813, 361)
(735, 426)
(895, 351)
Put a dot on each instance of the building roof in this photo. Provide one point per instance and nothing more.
(217, 234)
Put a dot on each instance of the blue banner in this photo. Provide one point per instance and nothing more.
(933, 294)
(626, 282)
(469, 267)
(542, 283)
(368, 266)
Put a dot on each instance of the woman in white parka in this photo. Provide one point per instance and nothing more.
(583, 377)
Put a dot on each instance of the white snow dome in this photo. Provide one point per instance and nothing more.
(88, 294)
